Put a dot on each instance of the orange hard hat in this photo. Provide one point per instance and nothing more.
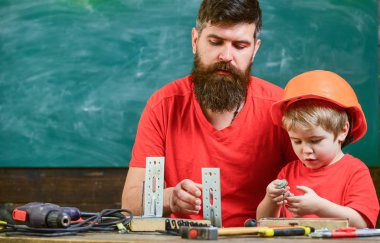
(328, 86)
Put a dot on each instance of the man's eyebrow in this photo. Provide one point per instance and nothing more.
(221, 38)
(214, 36)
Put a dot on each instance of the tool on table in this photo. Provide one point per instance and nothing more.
(297, 230)
(45, 215)
(199, 233)
(212, 209)
(211, 233)
(47, 219)
(154, 186)
(2, 223)
(266, 231)
(250, 223)
(279, 185)
(163, 225)
(346, 232)
(317, 223)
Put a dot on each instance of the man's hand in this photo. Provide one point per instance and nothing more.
(308, 203)
(185, 198)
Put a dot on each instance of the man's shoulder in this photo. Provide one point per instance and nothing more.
(263, 89)
(179, 88)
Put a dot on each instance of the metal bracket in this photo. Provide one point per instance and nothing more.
(154, 187)
(212, 209)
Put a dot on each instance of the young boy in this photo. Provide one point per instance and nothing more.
(321, 113)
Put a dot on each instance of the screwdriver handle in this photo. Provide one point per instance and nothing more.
(299, 230)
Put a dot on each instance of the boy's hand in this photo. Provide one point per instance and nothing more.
(307, 203)
(277, 194)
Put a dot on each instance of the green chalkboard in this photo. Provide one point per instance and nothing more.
(75, 75)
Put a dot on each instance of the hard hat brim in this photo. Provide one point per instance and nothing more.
(357, 119)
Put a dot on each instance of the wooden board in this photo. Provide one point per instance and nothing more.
(141, 224)
(317, 223)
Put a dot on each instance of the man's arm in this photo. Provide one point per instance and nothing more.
(133, 188)
(184, 198)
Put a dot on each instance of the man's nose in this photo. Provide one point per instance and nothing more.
(226, 54)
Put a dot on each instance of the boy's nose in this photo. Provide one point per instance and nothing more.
(307, 149)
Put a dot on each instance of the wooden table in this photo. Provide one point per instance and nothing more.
(155, 237)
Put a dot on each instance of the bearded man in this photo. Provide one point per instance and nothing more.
(217, 117)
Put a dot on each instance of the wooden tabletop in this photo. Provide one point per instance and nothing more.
(155, 237)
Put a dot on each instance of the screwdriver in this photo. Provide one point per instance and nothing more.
(212, 233)
(279, 185)
(296, 230)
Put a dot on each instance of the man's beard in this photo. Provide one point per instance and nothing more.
(217, 92)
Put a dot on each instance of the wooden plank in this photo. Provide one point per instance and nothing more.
(317, 223)
(87, 189)
(139, 224)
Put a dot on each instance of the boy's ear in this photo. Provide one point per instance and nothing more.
(343, 134)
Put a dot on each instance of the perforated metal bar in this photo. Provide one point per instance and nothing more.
(212, 204)
(154, 187)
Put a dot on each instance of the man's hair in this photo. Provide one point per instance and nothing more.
(310, 113)
(229, 12)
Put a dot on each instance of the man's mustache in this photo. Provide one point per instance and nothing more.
(225, 66)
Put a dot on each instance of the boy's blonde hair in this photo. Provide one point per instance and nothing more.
(311, 112)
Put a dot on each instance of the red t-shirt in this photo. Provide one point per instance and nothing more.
(250, 152)
(346, 182)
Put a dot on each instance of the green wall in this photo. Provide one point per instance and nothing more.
(75, 75)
